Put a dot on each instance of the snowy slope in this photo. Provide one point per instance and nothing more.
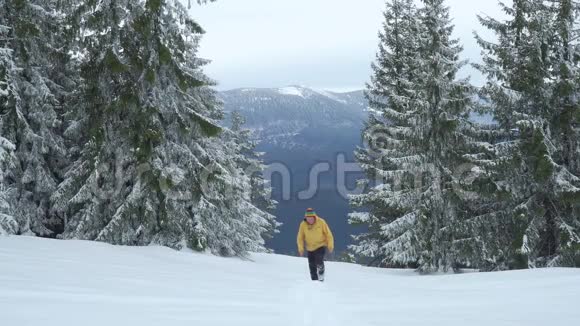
(48, 282)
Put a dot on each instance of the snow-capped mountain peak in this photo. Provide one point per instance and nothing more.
(291, 90)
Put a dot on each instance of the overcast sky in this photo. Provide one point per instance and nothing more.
(325, 44)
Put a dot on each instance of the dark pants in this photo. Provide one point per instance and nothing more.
(316, 262)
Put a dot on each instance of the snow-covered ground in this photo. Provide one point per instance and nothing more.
(48, 282)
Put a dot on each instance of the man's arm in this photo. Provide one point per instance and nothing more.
(329, 238)
(300, 239)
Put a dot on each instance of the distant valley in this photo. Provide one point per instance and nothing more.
(299, 127)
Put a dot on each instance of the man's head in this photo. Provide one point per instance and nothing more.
(310, 216)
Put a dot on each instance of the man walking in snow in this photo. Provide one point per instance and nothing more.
(316, 233)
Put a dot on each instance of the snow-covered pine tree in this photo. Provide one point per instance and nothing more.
(531, 85)
(231, 218)
(495, 232)
(145, 170)
(565, 129)
(143, 115)
(8, 223)
(87, 198)
(424, 139)
(444, 138)
(389, 209)
(31, 119)
(251, 162)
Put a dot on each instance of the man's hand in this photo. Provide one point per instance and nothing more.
(330, 250)
(301, 253)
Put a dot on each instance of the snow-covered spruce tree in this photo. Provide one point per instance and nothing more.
(565, 128)
(532, 82)
(143, 113)
(251, 162)
(145, 170)
(389, 206)
(32, 114)
(8, 223)
(86, 199)
(444, 138)
(232, 216)
(424, 138)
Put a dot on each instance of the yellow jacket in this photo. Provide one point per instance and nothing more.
(316, 235)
